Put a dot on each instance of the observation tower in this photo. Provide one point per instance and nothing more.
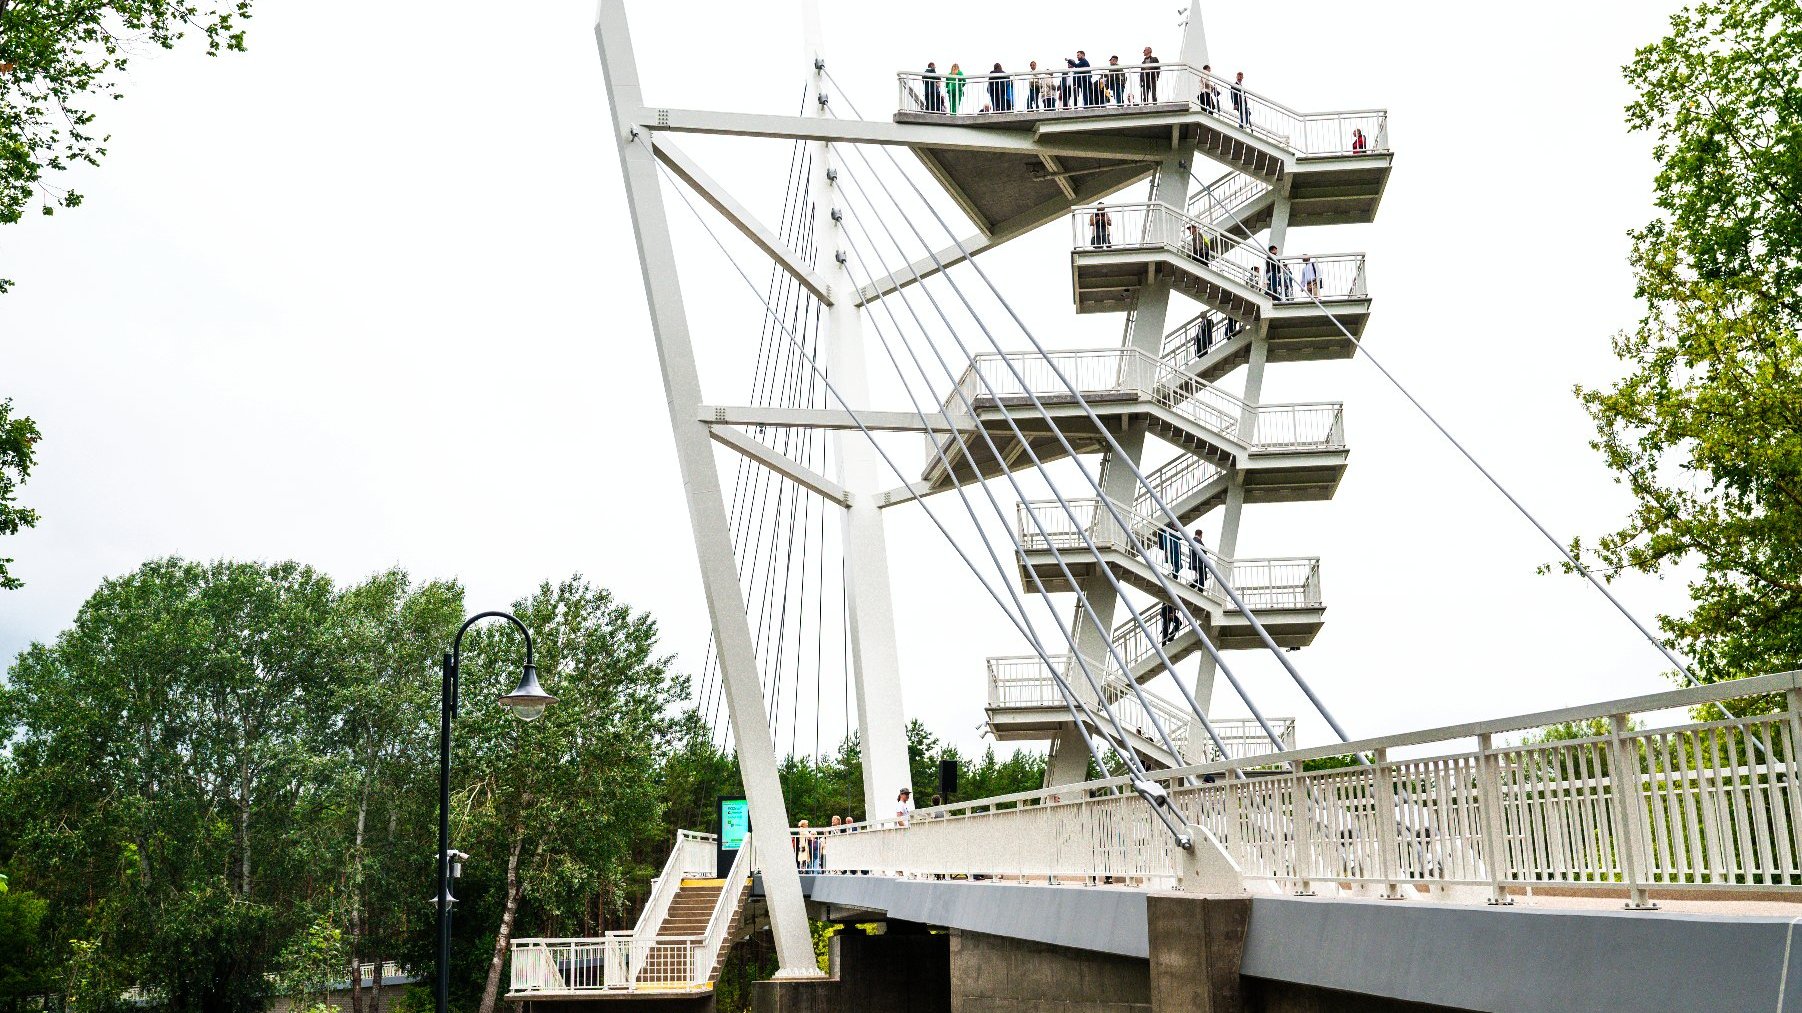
(1073, 483)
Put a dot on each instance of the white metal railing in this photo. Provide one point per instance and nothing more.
(615, 962)
(1173, 481)
(693, 855)
(1285, 583)
(1194, 339)
(1219, 203)
(974, 94)
(1337, 277)
(626, 960)
(1693, 804)
(1099, 372)
(720, 922)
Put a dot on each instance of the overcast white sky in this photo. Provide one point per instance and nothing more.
(367, 296)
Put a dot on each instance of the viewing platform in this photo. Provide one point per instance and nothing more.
(1284, 593)
(1117, 248)
(1287, 442)
(1104, 132)
(1025, 703)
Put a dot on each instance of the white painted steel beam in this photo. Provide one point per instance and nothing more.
(690, 172)
(706, 500)
(910, 135)
(781, 464)
(822, 418)
(1104, 183)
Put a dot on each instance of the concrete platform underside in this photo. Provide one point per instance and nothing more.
(1544, 955)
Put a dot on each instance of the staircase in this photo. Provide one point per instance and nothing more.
(677, 947)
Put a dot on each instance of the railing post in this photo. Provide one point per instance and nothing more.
(1301, 818)
(1388, 827)
(1629, 821)
(1489, 799)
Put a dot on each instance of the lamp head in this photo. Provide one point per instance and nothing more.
(529, 699)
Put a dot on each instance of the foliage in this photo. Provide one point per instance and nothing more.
(58, 57)
(221, 786)
(18, 438)
(26, 969)
(307, 967)
(1705, 429)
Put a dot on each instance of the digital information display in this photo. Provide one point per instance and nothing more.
(735, 822)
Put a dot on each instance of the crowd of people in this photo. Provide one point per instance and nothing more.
(811, 845)
(1079, 85)
(1278, 278)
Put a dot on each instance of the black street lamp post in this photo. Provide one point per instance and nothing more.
(527, 702)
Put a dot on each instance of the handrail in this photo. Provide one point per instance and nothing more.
(693, 852)
(1102, 90)
(1311, 425)
(1224, 196)
(1697, 804)
(1271, 583)
(707, 954)
(1236, 258)
(1021, 682)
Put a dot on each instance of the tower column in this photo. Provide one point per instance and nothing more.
(1069, 760)
(875, 671)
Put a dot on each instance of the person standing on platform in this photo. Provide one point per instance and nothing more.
(1148, 77)
(1241, 101)
(904, 805)
(1080, 82)
(1358, 142)
(935, 92)
(1168, 623)
(1035, 92)
(1100, 226)
(1001, 90)
(1273, 274)
(954, 87)
(1116, 81)
(1199, 247)
(1310, 277)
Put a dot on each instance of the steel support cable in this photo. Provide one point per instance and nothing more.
(798, 158)
(963, 498)
(1519, 507)
(1114, 446)
(969, 409)
(958, 485)
(770, 674)
(1019, 623)
(1104, 500)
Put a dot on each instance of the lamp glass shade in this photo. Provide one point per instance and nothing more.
(529, 700)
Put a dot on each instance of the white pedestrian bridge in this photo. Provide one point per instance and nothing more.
(1657, 800)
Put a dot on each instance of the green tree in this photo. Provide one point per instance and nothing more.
(167, 800)
(1705, 428)
(553, 808)
(387, 639)
(58, 58)
(18, 438)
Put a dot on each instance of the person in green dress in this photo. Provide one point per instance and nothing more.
(954, 87)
